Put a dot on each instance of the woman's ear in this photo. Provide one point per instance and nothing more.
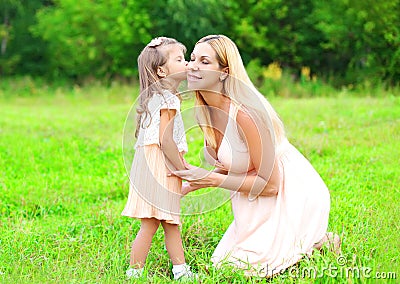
(161, 72)
(224, 74)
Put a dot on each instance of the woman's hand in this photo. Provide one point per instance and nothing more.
(192, 173)
(198, 177)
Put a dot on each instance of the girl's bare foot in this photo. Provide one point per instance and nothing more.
(332, 241)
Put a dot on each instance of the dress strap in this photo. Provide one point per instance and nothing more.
(237, 107)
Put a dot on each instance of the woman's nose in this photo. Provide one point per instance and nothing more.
(191, 65)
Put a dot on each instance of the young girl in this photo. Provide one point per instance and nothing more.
(154, 197)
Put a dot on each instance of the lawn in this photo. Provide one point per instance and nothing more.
(63, 185)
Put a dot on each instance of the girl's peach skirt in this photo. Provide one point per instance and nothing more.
(152, 194)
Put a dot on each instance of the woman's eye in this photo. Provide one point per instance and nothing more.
(204, 62)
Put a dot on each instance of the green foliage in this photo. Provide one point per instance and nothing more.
(274, 81)
(21, 53)
(363, 38)
(344, 42)
(189, 20)
(100, 38)
(276, 30)
(104, 38)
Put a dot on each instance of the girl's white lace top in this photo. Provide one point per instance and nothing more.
(150, 127)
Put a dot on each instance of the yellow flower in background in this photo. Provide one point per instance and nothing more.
(305, 72)
(273, 71)
(314, 78)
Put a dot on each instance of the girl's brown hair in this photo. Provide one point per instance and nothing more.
(154, 55)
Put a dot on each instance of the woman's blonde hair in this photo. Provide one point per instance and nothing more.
(152, 56)
(239, 88)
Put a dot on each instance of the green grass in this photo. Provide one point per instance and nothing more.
(63, 185)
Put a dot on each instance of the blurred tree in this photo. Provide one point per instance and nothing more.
(278, 30)
(101, 38)
(355, 40)
(20, 52)
(9, 9)
(104, 38)
(189, 20)
(362, 37)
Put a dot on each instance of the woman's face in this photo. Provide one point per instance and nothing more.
(203, 69)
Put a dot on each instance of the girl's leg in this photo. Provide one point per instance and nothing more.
(173, 242)
(141, 245)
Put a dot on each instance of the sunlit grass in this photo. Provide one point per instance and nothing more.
(63, 186)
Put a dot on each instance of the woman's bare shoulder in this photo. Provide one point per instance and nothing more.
(244, 119)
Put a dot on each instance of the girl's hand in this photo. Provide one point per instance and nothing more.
(187, 188)
(186, 164)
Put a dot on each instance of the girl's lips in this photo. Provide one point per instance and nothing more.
(192, 77)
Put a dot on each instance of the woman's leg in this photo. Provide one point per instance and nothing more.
(173, 242)
(141, 245)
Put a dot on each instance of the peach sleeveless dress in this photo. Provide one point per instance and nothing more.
(270, 234)
(153, 194)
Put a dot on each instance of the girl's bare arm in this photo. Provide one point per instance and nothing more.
(168, 145)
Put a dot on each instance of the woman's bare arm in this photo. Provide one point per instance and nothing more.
(262, 155)
(260, 143)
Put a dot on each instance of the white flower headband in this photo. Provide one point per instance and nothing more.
(156, 41)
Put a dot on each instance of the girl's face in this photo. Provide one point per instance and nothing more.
(203, 69)
(175, 67)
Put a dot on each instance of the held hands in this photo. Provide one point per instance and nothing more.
(197, 177)
(192, 173)
(187, 188)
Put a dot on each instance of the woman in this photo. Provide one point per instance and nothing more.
(280, 203)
